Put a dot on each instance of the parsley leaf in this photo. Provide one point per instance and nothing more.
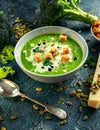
(47, 62)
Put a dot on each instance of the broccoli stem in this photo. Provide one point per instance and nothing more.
(80, 15)
(52, 11)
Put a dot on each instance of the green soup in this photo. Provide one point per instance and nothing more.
(46, 55)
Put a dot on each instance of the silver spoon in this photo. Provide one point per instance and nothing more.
(11, 89)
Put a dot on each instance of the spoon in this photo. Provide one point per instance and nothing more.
(11, 89)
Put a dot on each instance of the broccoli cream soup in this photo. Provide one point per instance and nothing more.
(51, 54)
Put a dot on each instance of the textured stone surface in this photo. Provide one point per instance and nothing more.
(27, 117)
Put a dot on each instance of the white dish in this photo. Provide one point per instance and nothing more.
(44, 30)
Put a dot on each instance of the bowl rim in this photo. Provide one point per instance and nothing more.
(51, 76)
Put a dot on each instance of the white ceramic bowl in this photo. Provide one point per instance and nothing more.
(44, 30)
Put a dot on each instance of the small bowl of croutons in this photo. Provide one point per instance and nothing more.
(95, 29)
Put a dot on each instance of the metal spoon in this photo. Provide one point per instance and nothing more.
(11, 89)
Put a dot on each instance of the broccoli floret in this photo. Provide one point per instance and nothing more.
(7, 54)
(53, 10)
(6, 33)
(5, 70)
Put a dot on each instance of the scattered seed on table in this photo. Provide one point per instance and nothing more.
(77, 96)
(59, 83)
(84, 118)
(88, 39)
(83, 104)
(38, 89)
(17, 20)
(72, 93)
(84, 99)
(11, 16)
(36, 107)
(85, 65)
(13, 117)
(59, 89)
(86, 96)
(68, 103)
(79, 83)
(61, 99)
(82, 95)
(63, 122)
(65, 87)
(79, 31)
(93, 50)
(1, 118)
(79, 90)
(48, 117)
(35, 22)
(3, 128)
(42, 112)
(23, 98)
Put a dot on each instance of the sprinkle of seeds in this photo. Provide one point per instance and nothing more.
(20, 30)
(96, 85)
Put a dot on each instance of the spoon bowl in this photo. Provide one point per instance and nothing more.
(8, 88)
(11, 89)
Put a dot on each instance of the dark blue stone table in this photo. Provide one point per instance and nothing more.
(27, 117)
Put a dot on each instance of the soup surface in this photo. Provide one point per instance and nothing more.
(48, 54)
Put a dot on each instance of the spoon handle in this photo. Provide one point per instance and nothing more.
(58, 112)
(33, 100)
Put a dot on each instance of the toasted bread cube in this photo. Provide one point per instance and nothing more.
(63, 38)
(64, 58)
(37, 57)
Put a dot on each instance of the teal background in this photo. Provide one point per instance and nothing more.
(27, 117)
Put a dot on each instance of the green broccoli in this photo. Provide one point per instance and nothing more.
(7, 54)
(6, 33)
(53, 10)
(5, 70)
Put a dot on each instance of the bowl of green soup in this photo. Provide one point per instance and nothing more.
(51, 54)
